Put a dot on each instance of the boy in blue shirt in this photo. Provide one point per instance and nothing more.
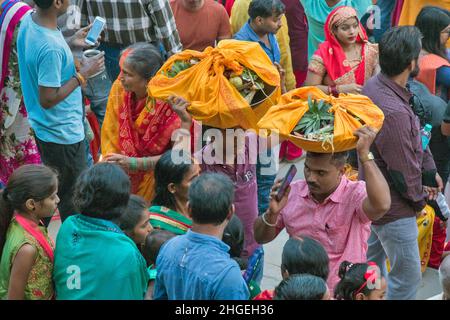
(264, 23)
(52, 93)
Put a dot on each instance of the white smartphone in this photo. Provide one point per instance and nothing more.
(96, 29)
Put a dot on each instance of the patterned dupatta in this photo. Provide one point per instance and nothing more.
(145, 128)
(331, 52)
(12, 12)
(33, 229)
(149, 135)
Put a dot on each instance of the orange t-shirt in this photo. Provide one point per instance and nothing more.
(201, 29)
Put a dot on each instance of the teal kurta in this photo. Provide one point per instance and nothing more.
(95, 260)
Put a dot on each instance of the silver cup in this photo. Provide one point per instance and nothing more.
(92, 53)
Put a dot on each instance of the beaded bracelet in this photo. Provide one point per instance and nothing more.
(133, 163)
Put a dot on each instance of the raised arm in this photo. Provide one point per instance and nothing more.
(378, 200)
(266, 227)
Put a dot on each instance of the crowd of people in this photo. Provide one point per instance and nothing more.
(143, 217)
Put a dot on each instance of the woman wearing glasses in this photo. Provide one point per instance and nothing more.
(434, 63)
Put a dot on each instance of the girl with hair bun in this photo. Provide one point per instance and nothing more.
(360, 281)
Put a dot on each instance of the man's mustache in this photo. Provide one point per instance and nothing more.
(313, 185)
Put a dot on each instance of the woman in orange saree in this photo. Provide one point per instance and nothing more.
(137, 129)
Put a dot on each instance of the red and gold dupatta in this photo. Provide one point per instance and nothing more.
(331, 52)
(137, 129)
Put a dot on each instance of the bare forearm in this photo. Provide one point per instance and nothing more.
(263, 232)
(51, 97)
(378, 194)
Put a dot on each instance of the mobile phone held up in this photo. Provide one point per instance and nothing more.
(286, 182)
(96, 29)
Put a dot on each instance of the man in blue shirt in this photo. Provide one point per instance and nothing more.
(52, 93)
(264, 23)
(197, 265)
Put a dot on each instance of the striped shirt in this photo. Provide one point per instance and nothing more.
(131, 21)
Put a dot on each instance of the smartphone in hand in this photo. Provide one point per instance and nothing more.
(96, 29)
(286, 182)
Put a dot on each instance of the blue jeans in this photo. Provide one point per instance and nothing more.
(265, 183)
(398, 242)
(97, 91)
(89, 158)
(112, 57)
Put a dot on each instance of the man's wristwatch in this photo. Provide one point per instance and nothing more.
(366, 158)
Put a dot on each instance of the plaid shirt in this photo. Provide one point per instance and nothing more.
(131, 21)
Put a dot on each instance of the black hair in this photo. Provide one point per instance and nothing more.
(167, 172)
(431, 21)
(399, 47)
(153, 243)
(233, 236)
(44, 4)
(339, 159)
(211, 197)
(352, 278)
(30, 181)
(102, 191)
(301, 287)
(145, 59)
(305, 255)
(265, 8)
(133, 213)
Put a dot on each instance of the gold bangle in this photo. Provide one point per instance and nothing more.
(81, 79)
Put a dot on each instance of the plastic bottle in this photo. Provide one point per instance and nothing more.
(425, 133)
(443, 205)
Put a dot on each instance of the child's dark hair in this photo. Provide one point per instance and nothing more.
(305, 255)
(31, 181)
(102, 191)
(233, 236)
(167, 172)
(352, 279)
(153, 243)
(133, 213)
(265, 8)
(301, 287)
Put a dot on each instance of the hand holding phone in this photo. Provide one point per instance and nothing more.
(96, 30)
(286, 182)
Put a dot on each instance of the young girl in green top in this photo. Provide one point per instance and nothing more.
(135, 221)
(26, 250)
